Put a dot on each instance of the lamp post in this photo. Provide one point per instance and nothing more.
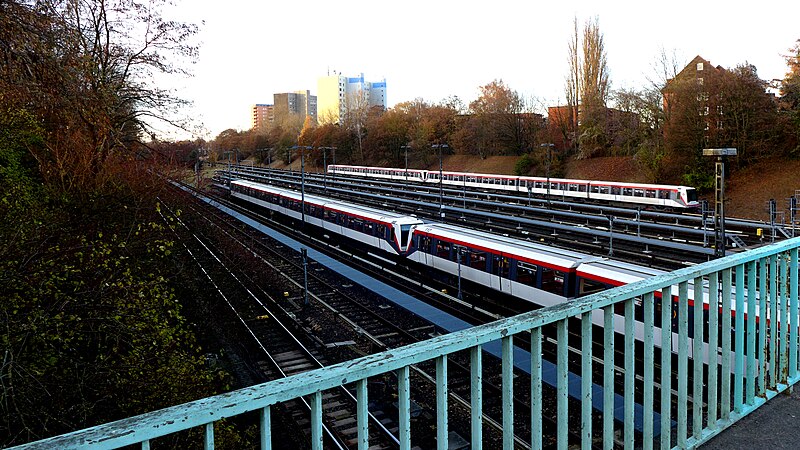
(302, 182)
(441, 205)
(719, 196)
(325, 168)
(549, 148)
(405, 147)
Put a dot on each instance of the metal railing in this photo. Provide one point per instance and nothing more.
(732, 373)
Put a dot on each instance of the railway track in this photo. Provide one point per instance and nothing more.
(276, 349)
(695, 227)
(377, 323)
(645, 242)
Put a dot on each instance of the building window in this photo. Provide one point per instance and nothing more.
(699, 66)
(700, 81)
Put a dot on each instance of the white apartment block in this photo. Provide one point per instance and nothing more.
(336, 92)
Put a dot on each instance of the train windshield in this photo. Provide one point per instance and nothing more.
(691, 195)
(404, 231)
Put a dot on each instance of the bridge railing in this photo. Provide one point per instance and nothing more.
(748, 353)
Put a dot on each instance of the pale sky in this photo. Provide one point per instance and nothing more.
(436, 49)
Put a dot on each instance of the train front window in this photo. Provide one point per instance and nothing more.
(691, 195)
(590, 287)
(404, 231)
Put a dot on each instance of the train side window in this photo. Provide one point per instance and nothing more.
(663, 194)
(526, 273)
(627, 191)
(638, 192)
(369, 228)
(538, 185)
(443, 250)
(477, 260)
(552, 281)
(582, 188)
(615, 190)
(650, 193)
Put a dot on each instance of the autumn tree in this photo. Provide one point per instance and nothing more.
(92, 327)
(747, 115)
(502, 121)
(790, 99)
(84, 66)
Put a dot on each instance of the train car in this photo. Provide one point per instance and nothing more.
(373, 228)
(387, 173)
(648, 195)
(524, 270)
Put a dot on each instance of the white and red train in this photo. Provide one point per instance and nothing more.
(525, 270)
(648, 195)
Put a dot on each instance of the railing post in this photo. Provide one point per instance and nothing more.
(586, 380)
(404, 406)
(666, 366)
(794, 310)
(750, 385)
(629, 373)
(608, 377)
(209, 436)
(476, 396)
(265, 423)
(441, 403)
(362, 414)
(561, 385)
(739, 330)
(507, 369)
(713, 348)
(683, 362)
(773, 324)
(725, 374)
(316, 421)
(762, 327)
(783, 312)
(536, 389)
(649, 369)
(697, 358)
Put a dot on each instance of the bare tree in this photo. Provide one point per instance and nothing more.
(356, 109)
(569, 122)
(594, 91)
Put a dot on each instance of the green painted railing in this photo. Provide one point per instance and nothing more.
(751, 362)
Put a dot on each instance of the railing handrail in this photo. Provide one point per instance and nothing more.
(207, 410)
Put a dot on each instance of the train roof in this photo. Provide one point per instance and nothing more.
(561, 259)
(365, 212)
(619, 271)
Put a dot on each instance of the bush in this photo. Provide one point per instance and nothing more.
(523, 165)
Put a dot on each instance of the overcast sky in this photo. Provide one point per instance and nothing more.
(435, 49)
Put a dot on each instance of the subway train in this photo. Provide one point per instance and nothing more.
(657, 196)
(525, 270)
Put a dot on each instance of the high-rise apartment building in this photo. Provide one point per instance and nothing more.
(299, 103)
(263, 116)
(335, 93)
